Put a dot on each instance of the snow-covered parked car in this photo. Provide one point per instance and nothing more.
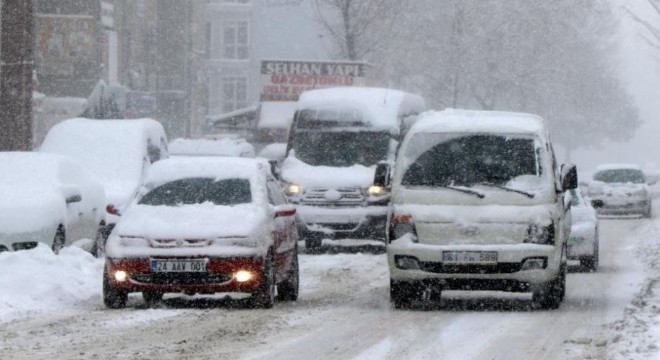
(205, 225)
(116, 152)
(212, 146)
(477, 204)
(46, 198)
(620, 189)
(583, 242)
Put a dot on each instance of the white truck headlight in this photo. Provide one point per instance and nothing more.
(538, 234)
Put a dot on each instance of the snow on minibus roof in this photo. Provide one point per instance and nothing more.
(381, 107)
(453, 120)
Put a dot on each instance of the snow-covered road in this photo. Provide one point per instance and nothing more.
(343, 313)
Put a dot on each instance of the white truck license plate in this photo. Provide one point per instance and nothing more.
(471, 257)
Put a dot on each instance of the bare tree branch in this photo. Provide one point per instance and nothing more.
(356, 26)
(654, 31)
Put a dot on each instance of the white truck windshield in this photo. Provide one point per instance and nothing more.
(473, 159)
(340, 148)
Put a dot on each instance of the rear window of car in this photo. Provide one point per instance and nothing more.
(620, 176)
(199, 191)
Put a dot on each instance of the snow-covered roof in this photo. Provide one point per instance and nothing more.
(211, 147)
(109, 148)
(274, 151)
(276, 114)
(214, 167)
(72, 106)
(29, 169)
(453, 120)
(113, 151)
(603, 167)
(32, 198)
(246, 111)
(380, 107)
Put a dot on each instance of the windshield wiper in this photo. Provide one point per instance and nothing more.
(464, 190)
(529, 195)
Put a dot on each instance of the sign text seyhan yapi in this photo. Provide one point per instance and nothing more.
(284, 80)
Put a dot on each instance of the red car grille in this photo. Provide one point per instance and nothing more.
(168, 243)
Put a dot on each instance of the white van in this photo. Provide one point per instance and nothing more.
(116, 152)
(478, 203)
(337, 138)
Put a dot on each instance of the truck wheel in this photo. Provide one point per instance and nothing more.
(313, 243)
(403, 293)
(549, 296)
(647, 213)
(591, 263)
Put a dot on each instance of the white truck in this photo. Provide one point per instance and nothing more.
(478, 203)
(338, 137)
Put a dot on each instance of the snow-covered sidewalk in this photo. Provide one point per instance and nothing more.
(636, 335)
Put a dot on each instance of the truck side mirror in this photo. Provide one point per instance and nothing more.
(382, 175)
(596, 204)
(568, 177)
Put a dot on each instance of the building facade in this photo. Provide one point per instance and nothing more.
(162, 52)
(242, 33)
(150, 55)
(68, 46)
(230, 54)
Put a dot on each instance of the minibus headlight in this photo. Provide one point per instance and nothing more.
(293, 189)
(375, 190)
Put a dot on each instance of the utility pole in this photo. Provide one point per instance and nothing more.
(16, 63)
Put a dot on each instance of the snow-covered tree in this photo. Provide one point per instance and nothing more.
(553, 58)
(651, 34)
(356, 27)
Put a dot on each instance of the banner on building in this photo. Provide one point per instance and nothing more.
(65, 44)
(284, 80)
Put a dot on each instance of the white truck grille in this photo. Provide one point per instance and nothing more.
(338, 197)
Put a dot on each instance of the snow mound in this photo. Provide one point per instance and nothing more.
(636, 334)
(39, 280)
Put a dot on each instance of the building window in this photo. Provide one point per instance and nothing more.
(234, 94)
(235, 40)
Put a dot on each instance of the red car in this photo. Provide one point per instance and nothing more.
(205, 225)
